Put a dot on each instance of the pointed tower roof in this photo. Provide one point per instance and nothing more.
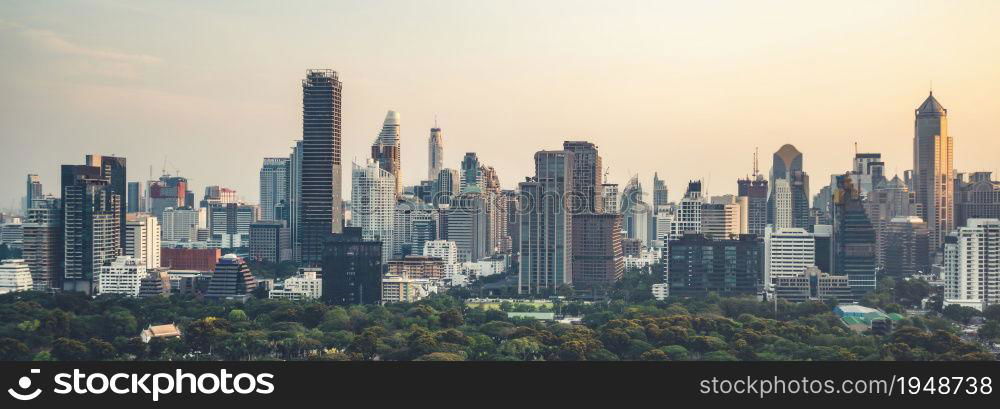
(391, 118)
(931, 106)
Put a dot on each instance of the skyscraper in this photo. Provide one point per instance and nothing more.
(435, 153)
(167, 192)
(755, 190)
(320, 179)
(135, 202)
(660, 193)
(697, 266)
(587, 183)
(91, 230)
(472, 173)
(788, 166)
(787, 253)
(466, 222)
(635, 211)
(546, 225)
(906, 248)
(386, 150)
(447, 184)
(933, 170)
(43, 243)
(113, 170)
(972, 264)
(274, 180)
(34, 191)
(598, 260)
(373, 204)
(853, 238)
(890, 199)
(979, 198)
(142, 239)
(294, 199)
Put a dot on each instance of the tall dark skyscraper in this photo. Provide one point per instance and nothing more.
(698, 265)
(352, 269)
(755, 190)
(91, 225)
(854, 243)
(661, 196)
(133, 201)
(546, 225)
(320, 201)
(435, 153)
(33, 191)
(788, 166)
(933, 170)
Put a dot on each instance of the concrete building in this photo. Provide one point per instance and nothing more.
(546, 227)
(15, 275)
(304, 286)
(598, 260)
(270, 241)
(169, 192)
(447, 252)
(43, 243)
(194, 259)
(414, 222)
(889, 199)
(722, 220)
(934, 169)
(122, 276)
(142, 239)
(431, 268)
(180, 224)
(907, 247)
(697, 266)
(755, 190)
(232, 279)
(792, 203)
(93, 220)
(813, 285)
(352, 269)
(402, 288)
(435, 153)
(688, 218)
(977, 198)
(466, 222)
(853, 238)
(33, 191)
(787, 253)
(229, 224)
(971, 266)
(373, 204)
(274, 189)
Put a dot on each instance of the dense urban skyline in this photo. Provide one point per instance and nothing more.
(150, 97)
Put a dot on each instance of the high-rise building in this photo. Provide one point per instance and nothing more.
(167, 192)
(888, 200)
(447, 251)
(546, 227)
(635, 211)
(447, 184)
(787, 253)
(697, 266)
(979, 198)
(232, 279)
(598, 260)
(853, 238)
(415, 222)
(688, 218)
(782, 205)
(180, 225)
(435, 153)
(15, 275)
(722, 219)
(274, 180)
(218, 195)
(122, 276)
(142, 239)
(587, 178)
(320, 179)
(868, 171)
(113, 170)
(788, 165)
(386, 150)
(91, 231)
(294, 199)
(907, 250)
(136, 200)
(34, 191)
(229, 224)
(933, 169)
(466, 222)
(43, 243)
(471, 174)
(352, 269)
(661, 196)
(270, 241)
(755, 190)
(971, 266)
(373, 204)
(609, 195)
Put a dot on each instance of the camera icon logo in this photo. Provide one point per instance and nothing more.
(24, 383)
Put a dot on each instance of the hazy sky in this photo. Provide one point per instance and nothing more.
(687, 89)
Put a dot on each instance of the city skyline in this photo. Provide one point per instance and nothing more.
(168, 122)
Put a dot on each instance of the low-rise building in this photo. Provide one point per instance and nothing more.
(306, 285)
(15, 275)
(165, 331)
(123, 276)
(813, 284)
(402, 288)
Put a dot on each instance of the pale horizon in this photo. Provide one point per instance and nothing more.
(684, 90)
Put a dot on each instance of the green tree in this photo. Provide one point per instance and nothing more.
(13, 350)
(66, 349)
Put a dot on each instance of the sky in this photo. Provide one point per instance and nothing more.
(207, 89)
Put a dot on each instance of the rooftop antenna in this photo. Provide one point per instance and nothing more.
(855, 148)
(435, 120)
